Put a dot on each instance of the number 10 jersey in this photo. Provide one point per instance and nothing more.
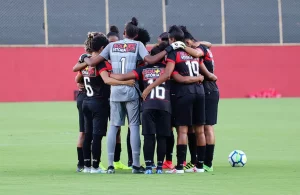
(159, 97)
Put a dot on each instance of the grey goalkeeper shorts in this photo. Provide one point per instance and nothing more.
(119, 110)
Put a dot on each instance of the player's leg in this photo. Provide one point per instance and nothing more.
(133, 113)
(129, 150)
(88, 126)
(199, 121)
(183, 115)
(117, 117)
(100, 110)
(117, 158)
(170, 142)
(80, 164)
(211, 111)
(193, 150)
(163, 131)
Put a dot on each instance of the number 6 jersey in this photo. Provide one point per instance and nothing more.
(185, 65)
(159, 97)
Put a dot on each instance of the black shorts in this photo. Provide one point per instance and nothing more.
(96, 112)
(190, 110)
(173, 106)
(211, 107)
(79, 100)
(156, 122)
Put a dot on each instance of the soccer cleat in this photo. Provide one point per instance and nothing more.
(191, 170)
(190, 165)
(159, 171)
(102, 167)
(138, 170)
(110, 170)
(120, 165)
(208, 169)
(168, 165)
(175, 171)
(79, 169)
(196, 170)
(87, 170)
(97, 170)
(148, 171)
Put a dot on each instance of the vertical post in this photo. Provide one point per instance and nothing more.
(280, 22)
(107, 16)
(46, 22)
(223, 22)
(164, 17)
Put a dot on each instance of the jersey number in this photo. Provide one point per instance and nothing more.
(158, 92)
(193, 68)
(123, 60)
(89, 90)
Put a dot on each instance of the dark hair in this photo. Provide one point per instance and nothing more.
(164, 36)
(187, 34)
(176, 33)
(159, 48)
(98, 42)
(88, 41)
(143, 36)
(113, 31)
(131, 28)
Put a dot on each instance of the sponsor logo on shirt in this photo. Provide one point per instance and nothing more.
(124, 47)
(152, 73)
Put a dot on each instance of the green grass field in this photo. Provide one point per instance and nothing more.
(38, 153)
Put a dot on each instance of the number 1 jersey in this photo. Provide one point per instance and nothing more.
(185, 65)
(159, 97)
(124, 55)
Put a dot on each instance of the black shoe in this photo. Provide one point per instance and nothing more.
(79, 168)
(110, 170)
(138, 170)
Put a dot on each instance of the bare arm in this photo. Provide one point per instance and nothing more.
(124, 77)
(194, 52)
(78, 77)
(93, 61)
(206, 73)
(187, 79)
(206, 43)
(79, 66)
(111, 81)
(165, 76)
(156, 58)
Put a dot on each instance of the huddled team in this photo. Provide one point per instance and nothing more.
(164, 90)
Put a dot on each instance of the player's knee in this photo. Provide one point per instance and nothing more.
(209, 130)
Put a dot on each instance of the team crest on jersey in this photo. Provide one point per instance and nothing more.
(124, 47)
(184, 56)
(152, 73)
(89, 71)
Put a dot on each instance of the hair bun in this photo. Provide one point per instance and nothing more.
(114, 29)
(134, 21)
(183, 28)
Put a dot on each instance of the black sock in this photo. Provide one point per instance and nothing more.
(148, 150)
(96, 150)
(117, 152)
(193, 147)
(129, 150)
(209, 154)
(80, 157)
(161, 150)
(200, 156)
(87, 149)
(170, 141)
(181, 153)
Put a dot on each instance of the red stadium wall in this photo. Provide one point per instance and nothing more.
(45, 74)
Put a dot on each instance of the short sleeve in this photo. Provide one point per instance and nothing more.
(142, 51)
(171, 57)
(138, 72)
(101, 67)
(106, 51)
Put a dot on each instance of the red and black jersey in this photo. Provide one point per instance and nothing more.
(208, 61)
(159, 97)
(185, 65)
(93, 82)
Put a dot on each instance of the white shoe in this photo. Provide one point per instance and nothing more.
(175, 171)
(198, 170)
(98, 170)
(86, 170)
(191, 170)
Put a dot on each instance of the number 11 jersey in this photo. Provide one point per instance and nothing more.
(159, 97)
(185, 65)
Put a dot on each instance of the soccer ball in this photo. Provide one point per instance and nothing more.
(237, 158)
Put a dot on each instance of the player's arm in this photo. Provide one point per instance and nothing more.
(206, 73)
(124, 77)
(144, 54)
(79, 66)
(165, 76)
(187, 79)
(78, 77)
(194, 52)
(111, 81)
(205, 43)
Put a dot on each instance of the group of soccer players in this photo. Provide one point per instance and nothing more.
(119, 78)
